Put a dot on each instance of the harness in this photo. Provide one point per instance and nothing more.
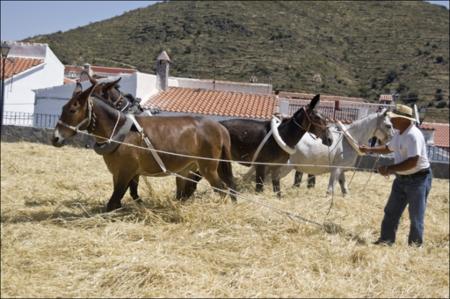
(110, 146)
(274, 124)
(349, 138)
(148, 143)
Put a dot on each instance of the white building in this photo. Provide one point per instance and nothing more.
(28, 67)
(49, 101)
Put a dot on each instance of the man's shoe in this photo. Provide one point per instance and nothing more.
(383, 242)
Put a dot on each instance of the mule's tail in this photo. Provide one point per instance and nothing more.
(226, 172)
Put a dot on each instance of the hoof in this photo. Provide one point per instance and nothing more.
(112, 207)
(138, 200)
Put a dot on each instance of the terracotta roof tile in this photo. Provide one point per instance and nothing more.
(214, 102)
(386, 98)
(441, 133)
(17, 65)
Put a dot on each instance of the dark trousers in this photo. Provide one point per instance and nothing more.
(412, 191)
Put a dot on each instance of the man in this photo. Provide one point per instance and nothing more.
(413, 177)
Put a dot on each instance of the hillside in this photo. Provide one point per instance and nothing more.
(358, 48)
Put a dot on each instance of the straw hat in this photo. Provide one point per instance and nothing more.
(402, 111)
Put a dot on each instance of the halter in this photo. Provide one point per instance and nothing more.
(87, 120)
(116, 102)
(310, 123)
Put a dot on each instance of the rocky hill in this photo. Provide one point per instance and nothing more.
(354, 48)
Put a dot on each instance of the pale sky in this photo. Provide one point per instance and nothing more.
(22, 19)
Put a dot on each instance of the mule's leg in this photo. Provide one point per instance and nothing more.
(275, 173)
(311, 181)
(134, 183)
(260, 175)
(334, 174)
(226, 174)
(298, 178)
(120, 187)
(185, 188)
(208, 169)
(343, 183)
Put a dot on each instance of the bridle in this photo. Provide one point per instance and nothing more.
(116, 102)
(90, 119)
(310, 123)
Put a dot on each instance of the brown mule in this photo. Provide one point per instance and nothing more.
(195, 137)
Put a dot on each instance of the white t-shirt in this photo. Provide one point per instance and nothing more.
(409, 144)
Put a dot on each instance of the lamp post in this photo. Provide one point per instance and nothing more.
(4, 53)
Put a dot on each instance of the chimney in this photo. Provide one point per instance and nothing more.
(88, 69)
(162, 71)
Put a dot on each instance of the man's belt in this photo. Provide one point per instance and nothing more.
(420, 173)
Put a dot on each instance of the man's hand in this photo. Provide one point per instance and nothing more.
(364, 148)
(384, 170)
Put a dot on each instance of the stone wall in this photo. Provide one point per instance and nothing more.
(38, 135)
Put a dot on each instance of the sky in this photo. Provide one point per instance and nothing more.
(22, 19)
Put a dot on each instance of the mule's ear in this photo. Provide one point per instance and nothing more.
(314, 102)
(110, 85)
(82, 98)
(78, 89)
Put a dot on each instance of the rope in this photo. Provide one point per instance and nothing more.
(240, 195)
(206, 158)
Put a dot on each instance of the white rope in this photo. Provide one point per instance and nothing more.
(115, 127)
(206, 158)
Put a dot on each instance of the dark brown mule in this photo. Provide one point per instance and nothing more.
(191, 136)
(246, 136)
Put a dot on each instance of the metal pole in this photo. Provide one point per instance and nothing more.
(3, 92)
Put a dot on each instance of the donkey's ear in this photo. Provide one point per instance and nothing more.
(314, 102)
(78, 89)
(110, 85)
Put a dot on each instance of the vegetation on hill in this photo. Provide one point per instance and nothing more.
(353, 48)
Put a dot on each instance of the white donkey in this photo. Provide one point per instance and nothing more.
(315, 158)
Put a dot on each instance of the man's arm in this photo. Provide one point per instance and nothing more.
(376, 149)
(409, 163)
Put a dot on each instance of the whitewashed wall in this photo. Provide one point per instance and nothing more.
(19, 94)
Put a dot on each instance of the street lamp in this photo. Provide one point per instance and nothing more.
(4, 53)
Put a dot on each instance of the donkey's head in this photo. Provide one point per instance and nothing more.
(76, 115)
(309, 119)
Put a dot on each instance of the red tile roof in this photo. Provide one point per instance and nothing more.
(214, 102)
(68, 81)
(441, 133)
(323, 97)
(386, 98)
(98, 69)
(17, 65)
